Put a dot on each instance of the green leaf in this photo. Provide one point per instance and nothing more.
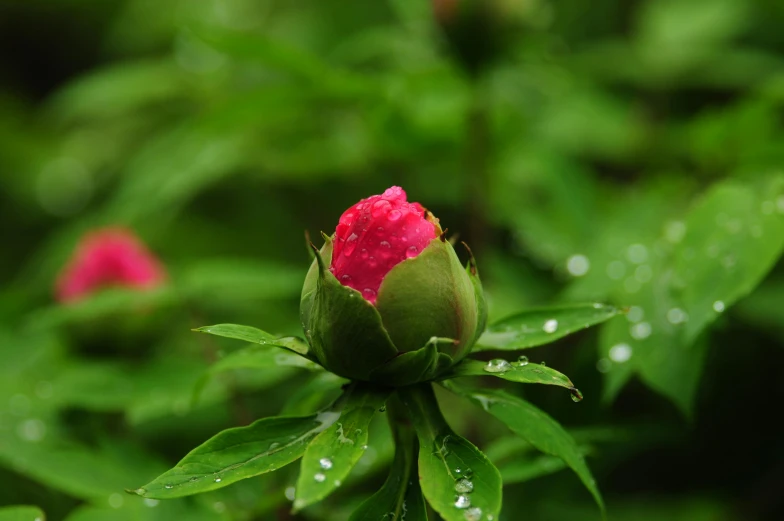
(21, 513)
(528, 468)
(536, 427)
(242, 452)
(520, 372)
(333, 453)
(457, 478)
(313, 395)
(263, 357)
(400, 497)
(734, 236)
(541, 326)
(256, 336)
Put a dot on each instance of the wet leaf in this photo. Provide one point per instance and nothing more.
(541, 326)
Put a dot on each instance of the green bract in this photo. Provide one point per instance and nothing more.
(429, 313)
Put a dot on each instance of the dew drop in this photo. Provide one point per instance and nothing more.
(621, 353)
(641, 331)
(218, 480)
(345, 279)
(718, 306)
(464, 486)
(497, 365)
(320, 477)
(394, 215)
(577, 396)
(462, 501)
(543, 364)
(325, 463)
(385, 245)
(168, 487)
(412, 251)
(369, 294)
(578, 265)
(522, 361)
(380, 208)
(363, 253)
(551, 326)
(351, 245)
(473, 514)
(465, 472)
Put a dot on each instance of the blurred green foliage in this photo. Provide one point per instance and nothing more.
(628, 152)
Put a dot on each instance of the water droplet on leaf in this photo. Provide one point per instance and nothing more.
(522, 361)
(462, 501)
(320, 477)
(497, 365)
(551, 326)
(464, 486)
(325, 463)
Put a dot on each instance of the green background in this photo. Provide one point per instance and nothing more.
(628, 152)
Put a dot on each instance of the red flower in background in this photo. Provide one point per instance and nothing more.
(105, 258)
(376, 234)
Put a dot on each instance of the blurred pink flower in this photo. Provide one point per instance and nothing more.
(108, 257)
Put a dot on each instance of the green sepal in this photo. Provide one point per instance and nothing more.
(479, 294)
(437, 286)
(415, 366)
(344, 330)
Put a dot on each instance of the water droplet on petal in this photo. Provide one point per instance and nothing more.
(345, 279)
(325, 463)
(464, 486)
(385, 245)
(369, 294)
(380, 208)
(351, 244)
(551, 326)
(394, 215)
(363, 253)
(497, 365)
(412, 251)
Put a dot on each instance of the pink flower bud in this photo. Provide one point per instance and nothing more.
(108, 257)
(375, 235)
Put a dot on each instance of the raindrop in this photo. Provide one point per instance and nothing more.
(473, 514)
(320, 477)
(274, 445)
(351, 245)
(677, 316)
(718, 306)
(369, 294)
(462, 501)
(497, 365)
(32, 429)
(522, 361)
(616, 270)
(621, 353)
(542, 363)
(635, 314)
(551, 326)
(412, 252)
(385, 245)
(577, 396)
(674, 231)
(218, 480)
(116, 500)
(643, 273)
(380, 208)
(345, 279)
(394, 215)
(464, 486)
(325, 463)
(363, 253)
(578, 265)
(603, 365)
(637, 253)
(168, 487)
(641, 331)
(465, 472)
(290, 493)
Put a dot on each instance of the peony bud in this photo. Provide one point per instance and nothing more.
(387, 299)
(108, 257)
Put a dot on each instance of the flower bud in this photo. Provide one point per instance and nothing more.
(108, 257)
(386, 299)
